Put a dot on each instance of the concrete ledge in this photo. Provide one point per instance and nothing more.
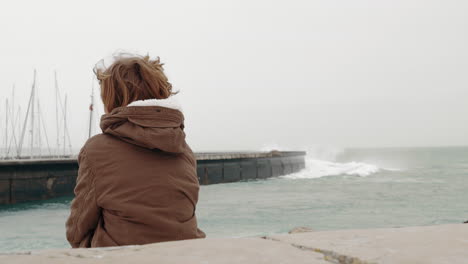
(215, 251)
(430, 244)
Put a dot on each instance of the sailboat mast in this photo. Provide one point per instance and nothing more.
(13, 119)
(57, 115)
(13, 98)
(32, 114)
(17, 127)
(6, 125)
(23, 131)
(39, 120)
(64, 123)
(43, 127)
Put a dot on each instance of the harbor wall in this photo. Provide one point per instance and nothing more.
(40, 179)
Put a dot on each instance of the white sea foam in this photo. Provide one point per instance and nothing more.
(321, 168)
(322, 161)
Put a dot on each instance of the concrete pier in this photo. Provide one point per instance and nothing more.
(39, 179)
(409, 245)
(232, 167)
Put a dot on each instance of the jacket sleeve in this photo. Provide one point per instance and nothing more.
(84, 212)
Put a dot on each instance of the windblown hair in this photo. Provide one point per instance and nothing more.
(132, 78)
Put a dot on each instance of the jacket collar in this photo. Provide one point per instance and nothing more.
(158, 124)
(170, 102)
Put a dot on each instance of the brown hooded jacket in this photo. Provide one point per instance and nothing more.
(137, 181)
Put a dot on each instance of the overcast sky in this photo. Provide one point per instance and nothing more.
(256, 74)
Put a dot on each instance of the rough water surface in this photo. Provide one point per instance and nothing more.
(356, 188)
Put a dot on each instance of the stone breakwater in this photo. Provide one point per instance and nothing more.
(428, 244)
(39, 179)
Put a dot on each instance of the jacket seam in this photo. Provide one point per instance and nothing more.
(87, 194)
(76, 220)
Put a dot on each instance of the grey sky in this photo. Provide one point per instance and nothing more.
(260, 73)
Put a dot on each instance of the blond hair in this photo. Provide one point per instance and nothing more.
(130, 78)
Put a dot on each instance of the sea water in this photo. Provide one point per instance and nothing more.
(354, 188)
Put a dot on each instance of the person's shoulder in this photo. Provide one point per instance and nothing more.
(97, 142)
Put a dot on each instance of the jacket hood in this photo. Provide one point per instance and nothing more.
(152, 124)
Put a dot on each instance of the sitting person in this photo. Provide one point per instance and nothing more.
(137, 180)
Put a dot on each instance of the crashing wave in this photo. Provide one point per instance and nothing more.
(321, 161)
(321, 168)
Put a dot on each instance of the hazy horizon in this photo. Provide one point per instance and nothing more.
(257, 74)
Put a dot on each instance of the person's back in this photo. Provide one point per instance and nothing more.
(137, 181)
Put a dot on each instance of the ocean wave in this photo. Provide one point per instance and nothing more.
(322, 161)
(321, 168)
